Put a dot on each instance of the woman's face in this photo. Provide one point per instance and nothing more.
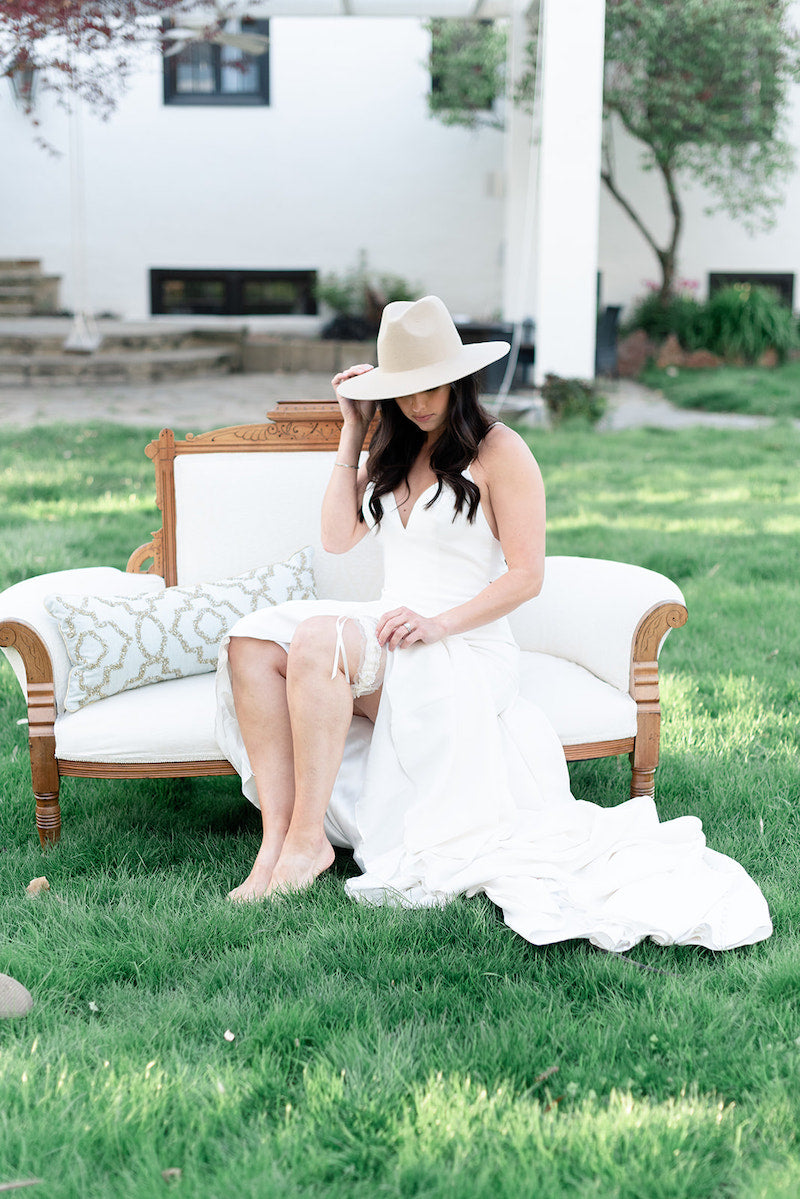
(427, 409)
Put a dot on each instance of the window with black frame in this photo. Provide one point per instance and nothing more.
(198, 292)
(211, 66)
(779, 281)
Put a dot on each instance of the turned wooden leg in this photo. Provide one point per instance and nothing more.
(643, 782)
(648, 638)
(48, 819)
(24, 640)
(44, 767)
(644, 758)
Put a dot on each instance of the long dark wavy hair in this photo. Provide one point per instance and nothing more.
(398, 441)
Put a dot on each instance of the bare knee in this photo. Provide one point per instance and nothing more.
(325, 645)
(313, 644)
(252, 658)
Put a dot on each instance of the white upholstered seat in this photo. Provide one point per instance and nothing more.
(174, 721)
(590, 640)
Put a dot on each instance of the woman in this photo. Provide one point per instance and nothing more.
(459, 785)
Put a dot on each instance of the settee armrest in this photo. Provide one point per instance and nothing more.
(29, 655)
(29, 650)
(601, 614)
(41, 647)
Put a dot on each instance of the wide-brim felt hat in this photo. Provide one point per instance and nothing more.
(419, 348)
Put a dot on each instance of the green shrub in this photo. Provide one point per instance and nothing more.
(467, 66)
(572, 399)
(347, 292)
(395, 287)
(680, 314)
(343, 293)
(743, 321)
(739, 322)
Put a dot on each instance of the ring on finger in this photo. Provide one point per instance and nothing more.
(406, 625)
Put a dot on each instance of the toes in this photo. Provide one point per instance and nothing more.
(248, 892)
(298, 874)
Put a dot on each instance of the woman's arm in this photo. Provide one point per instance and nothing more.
(341, 528)
(510, 479)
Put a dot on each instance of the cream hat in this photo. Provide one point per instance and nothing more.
(419, 348)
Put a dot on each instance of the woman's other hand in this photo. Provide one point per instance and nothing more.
(355, 412)
(403, 627)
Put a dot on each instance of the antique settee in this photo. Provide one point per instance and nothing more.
(238, 497)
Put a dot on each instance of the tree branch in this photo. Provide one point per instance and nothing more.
(606, 176)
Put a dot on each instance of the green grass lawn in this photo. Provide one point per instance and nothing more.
(377, 1053)
(753, 390)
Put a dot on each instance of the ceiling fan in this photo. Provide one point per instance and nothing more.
(202, 29)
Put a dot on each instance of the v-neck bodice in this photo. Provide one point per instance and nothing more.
(438, 559)
(420, 497)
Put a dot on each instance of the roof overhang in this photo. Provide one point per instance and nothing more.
(469, 9)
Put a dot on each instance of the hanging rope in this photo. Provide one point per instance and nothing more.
(83, 336)
(531, 198)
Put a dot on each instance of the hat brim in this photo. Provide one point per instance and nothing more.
(380, 384)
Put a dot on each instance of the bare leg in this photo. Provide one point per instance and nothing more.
(258, 675)
(320, 711)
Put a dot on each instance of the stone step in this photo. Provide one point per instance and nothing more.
(15, 308)
(28, 294)
(27, 280)
(20, 278)
(143, 366)
(20, 290)
(31, 266)
(116, 339)
(263, 353)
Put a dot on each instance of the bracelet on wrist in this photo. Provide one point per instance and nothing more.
(346, 465)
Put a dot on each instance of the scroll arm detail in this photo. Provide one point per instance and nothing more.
(653, 627)
(141, 555)
(18, 635)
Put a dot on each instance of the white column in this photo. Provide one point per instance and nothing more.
(520, 180)
(565, 266)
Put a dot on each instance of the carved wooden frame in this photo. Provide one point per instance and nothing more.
(16, 634)
(301, 425)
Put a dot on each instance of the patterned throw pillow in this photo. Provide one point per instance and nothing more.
(117, 643)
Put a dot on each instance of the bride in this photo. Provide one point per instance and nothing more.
(459, 785)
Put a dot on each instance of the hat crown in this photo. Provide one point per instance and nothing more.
(418, 349)
(415, 334)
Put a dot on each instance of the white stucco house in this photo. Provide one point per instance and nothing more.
(214, 189)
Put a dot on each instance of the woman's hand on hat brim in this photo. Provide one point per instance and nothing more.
(355, 412)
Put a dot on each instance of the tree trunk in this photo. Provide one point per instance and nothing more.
(666, 255)
(666, 260)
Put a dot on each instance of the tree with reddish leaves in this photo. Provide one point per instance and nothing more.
(79, 47)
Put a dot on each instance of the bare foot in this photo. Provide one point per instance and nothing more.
(295, 870)
(255, 885)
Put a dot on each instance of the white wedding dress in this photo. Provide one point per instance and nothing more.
(461, 787)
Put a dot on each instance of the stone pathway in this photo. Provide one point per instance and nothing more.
(199, 404)
(632, 406)
(186, 404)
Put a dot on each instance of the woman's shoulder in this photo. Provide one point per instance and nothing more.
(505, 464)
(503, 448)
